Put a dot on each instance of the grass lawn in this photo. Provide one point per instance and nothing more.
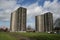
(5, 36)
(28, 35)
(39, 36)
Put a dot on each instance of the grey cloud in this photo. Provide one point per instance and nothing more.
(34, 9)
(6, 7)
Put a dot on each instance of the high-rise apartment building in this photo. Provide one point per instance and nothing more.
(18, 20)
(44, 23)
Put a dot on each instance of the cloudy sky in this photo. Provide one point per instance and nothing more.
(34, 7)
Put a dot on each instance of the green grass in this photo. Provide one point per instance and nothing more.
(30, 35)
(40, 36)
(5, 36)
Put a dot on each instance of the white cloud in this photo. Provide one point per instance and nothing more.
(6, 7)
(35, 9)
(53, 7)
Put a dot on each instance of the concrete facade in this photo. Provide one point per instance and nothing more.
(44, 23)
(39, 23)
(48, 21)
(18, 20)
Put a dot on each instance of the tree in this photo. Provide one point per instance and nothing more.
(57, 25)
